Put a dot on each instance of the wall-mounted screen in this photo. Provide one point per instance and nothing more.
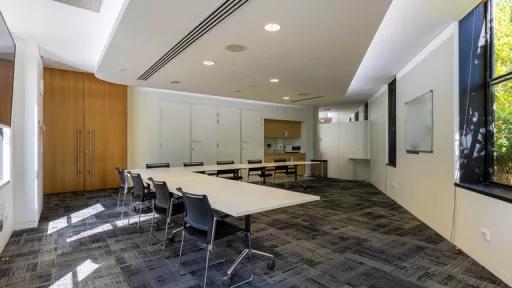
(7, 53)
(419, 125)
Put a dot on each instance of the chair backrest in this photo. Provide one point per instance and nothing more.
(163, 195)
(158, 165)
(138, 183)
(122, 177)
(191, 164)
(198, 212)
(226, 172)
(255, 161)
(281, 168)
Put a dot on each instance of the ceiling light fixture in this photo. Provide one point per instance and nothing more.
(286, 98)
(175, 82)
(208, 62)
(274, 80)
(272, 27)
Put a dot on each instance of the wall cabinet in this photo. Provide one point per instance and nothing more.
(282, 129)
(215, 134)
(85, 131)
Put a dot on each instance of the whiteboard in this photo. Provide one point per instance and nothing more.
(419, 125)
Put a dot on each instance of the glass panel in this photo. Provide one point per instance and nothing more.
(502, 17)
(503, 133)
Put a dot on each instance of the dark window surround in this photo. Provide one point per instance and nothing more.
(392, 124)
(356, 116)
(486, 186)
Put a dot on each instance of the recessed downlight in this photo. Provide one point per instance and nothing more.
(272, 27)
(274, 80)
(286, 98)
(175, 82)
(208, 62)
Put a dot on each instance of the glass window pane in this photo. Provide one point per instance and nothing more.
(503, 133)
(502, 17)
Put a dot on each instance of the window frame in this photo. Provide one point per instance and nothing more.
(491, 82)
(391, 129)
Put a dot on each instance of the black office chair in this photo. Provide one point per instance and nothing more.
(202, 224)
(158, 165)
(124, 187)
(140, 191)
(233, 174)
(165, 204)
(284, 170)
(261, 172)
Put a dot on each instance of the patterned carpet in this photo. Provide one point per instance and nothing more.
(354, 237)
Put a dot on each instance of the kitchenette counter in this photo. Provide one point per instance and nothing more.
(289, 156)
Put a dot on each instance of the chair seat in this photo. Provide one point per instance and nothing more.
(223, 229)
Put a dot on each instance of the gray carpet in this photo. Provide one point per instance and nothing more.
(354, 237)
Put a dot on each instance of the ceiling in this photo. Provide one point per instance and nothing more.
(316, 53)
(68, 36)
(407, 28)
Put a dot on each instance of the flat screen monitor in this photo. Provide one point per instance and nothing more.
(7, 54)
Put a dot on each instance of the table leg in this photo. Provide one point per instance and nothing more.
(248, 249)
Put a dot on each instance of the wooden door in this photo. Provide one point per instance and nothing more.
(63, 159)
(105, 132)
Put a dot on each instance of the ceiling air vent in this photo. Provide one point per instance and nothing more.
(213, 19)
(306, 99)
(91, 5)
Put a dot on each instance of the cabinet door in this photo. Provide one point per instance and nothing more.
(229, 134)
(105, 132)
(204, 133)
(63, 159)
(175, 133)
(252, 135)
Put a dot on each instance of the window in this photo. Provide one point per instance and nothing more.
(500, 90)
(392, 123)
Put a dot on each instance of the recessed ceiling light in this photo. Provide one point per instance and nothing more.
(208, 62)
(272, 27)
(175, 82)
(274, 80)
(286, 98)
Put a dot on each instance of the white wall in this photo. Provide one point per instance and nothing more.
(341, 140)
(22, 197)
(26, 176)
(144, 114)
(424, 183)
(378, 141)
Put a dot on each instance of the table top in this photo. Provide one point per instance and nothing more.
(235, 198)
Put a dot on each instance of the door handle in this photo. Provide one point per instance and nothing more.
(90, 152)
(78, 134)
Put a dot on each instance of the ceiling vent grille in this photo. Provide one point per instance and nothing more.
(91, 5)
(213, 19)
(306, 99)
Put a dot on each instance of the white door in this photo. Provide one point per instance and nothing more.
(204, 133)
(328, 143)
(175, 133)
(228, 134)
(252, 135)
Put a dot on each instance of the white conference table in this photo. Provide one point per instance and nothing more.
(235, 198)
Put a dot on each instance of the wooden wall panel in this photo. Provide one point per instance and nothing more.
(105, 126)
(63, 160)
(85, 136)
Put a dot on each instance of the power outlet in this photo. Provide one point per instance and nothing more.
(486, 235)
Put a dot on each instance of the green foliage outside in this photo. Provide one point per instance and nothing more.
(503, 91)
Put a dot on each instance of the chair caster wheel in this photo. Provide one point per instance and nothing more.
(271, 265)
(227, 280)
